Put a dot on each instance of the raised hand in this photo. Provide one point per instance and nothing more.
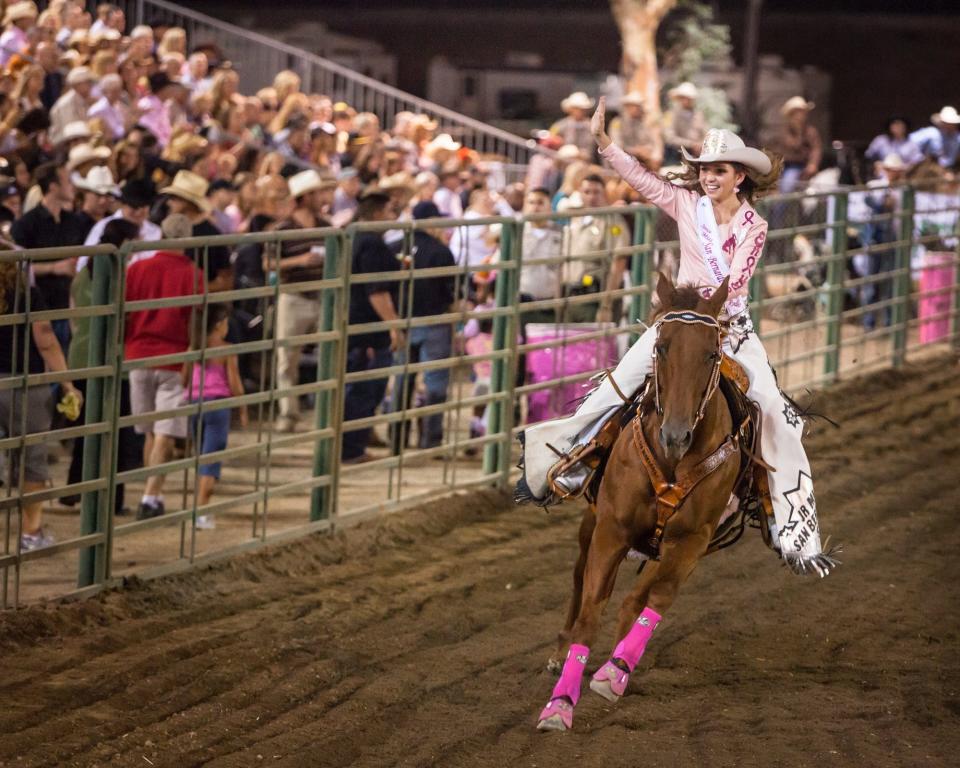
(598, 124)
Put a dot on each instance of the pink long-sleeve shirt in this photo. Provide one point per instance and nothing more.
(743, 237)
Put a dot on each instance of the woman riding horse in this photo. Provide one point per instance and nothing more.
(721, 236)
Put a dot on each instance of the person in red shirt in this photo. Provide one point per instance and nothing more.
(155, 332)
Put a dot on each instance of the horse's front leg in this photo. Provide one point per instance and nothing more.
(646, 605)
(587, 524)
(608, 545)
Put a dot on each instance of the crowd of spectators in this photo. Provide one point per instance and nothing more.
(111, 133)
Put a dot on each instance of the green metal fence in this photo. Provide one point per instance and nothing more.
(820, 320)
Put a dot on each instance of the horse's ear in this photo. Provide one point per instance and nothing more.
(665, 291)
(719, 297)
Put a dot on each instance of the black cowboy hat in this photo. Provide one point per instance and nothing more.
(138, 193)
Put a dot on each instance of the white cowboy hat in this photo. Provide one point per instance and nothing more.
(99, 179)
(893, 162)
(79, 75)
(569, 152)
(723, 146)
(796, 102)
(401, 180)
(684, 90)
(307, 181)
(443, 141)
(577, 100)
(84, 153)
(76, 129)
(634, 97)
(23, 10)
(191, 187)
(946, 115)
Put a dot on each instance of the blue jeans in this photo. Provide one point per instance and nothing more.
(216, 427)
(361, 398)
(428, 343)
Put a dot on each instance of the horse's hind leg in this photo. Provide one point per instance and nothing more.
(608, 545)
(643, 609)
(587, 524)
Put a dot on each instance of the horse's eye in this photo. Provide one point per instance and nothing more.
(661, 350)
(713, 356)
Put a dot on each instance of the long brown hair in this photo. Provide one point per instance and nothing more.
(754, 186)
(11, 277)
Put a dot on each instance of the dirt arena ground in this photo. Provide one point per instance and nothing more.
(420, 640)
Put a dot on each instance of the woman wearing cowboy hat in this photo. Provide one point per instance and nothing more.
(721, 237)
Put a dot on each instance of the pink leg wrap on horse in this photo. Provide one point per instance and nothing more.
(632, 646)
(572, 675)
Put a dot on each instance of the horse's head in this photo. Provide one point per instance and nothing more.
(686, 360)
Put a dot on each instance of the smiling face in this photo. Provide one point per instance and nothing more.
(720, 180)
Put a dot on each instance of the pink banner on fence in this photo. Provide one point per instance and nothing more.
(936, 278)
(561, 360)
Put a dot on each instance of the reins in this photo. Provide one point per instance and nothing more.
(671, 495)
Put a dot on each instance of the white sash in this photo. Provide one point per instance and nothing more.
(712, 249)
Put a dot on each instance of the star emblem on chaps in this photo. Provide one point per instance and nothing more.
(791, 415)
(802, 521)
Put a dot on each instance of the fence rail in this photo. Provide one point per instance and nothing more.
(259, 58)
(842, 308)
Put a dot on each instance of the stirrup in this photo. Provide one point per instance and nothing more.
(570, 477)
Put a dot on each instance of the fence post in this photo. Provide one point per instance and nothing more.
(835, 271)
(641, 265)
(955, 299)
(496, 455)
(900, 314)
(322, 498)
(97, 506)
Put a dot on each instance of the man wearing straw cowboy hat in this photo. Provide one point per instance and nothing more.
(100, 193)
(17, 20)
(629, 130)
(683, 125)
(187, 194)
(300, 261)
(940, 141)
(74, 104)
(575, 127)
(799, 143)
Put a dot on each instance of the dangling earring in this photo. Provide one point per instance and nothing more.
(736, 190)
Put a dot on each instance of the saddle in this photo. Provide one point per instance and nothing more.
(751, 487)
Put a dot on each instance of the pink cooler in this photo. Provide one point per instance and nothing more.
(564, 360)
(936, 278)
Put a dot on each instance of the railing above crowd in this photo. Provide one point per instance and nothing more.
(352, 413)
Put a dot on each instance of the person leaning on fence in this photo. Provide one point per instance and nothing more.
(940, 140)
(115, 233)
(52, 224)
(424, 297)
(298, 313)
(589, 243)
(369, 303)
(27, 410)
(216, 379)
(155, 332)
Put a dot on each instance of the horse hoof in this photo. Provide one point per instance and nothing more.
(610, 681)
(556, 716)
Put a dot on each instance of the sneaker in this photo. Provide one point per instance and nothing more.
(206, 523)
(38, 540)
(285, 425)
(146, 511)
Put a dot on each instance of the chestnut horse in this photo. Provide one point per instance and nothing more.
(686, 426)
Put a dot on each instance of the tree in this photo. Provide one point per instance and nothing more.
(638, 21)
(682, 33)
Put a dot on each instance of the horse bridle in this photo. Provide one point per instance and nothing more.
(689, 317)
